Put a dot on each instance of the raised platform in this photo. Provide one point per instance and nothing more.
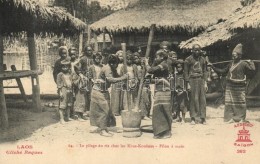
(19, 74)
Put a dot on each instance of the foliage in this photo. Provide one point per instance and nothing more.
(87, 12)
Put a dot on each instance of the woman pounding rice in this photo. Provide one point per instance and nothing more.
(100, 112)
(162, 114)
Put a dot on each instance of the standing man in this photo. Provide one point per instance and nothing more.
(235, 98)
(195, 74)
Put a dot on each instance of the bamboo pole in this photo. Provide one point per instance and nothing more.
(3, 109)
(125, 70)
(35, 79)
(104, 39)
(228, 61)
(112, 39)
(96, 43)
(147, 53)
(89, 35)
(80, 42)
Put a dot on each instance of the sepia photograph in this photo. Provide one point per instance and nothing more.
(130, 81)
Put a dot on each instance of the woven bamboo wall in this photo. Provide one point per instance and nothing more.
(45, 57)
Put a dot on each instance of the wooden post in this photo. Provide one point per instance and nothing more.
(35, 79)
(80, 42)
(3, 109)
(147, 53)
(104, 39)
(131, 40)
(125, 70)
(150, 39)
(112, 39)
(96, 43)
(89, 35)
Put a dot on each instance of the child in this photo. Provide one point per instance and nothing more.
(73, 58)
(132, 87)
(172, 61)
(145, 99)
(78, 87)
(63, 53)
(64, 85)
(94, 70)
(73, 61)
(215, 91)
(116, 89)
(85, 62)
(80, 83)
(181, 96)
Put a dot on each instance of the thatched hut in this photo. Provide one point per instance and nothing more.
(175, 20)
(242, 26)
(21, 15)
(28, 16)
(238, 25)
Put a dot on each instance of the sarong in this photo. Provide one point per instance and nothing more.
(235, 101)
(173, 100)
(100, 112)
(116, 98)
(162, 119)
(79, 104)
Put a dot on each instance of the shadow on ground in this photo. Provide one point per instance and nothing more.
(23, 122)
(258, 120)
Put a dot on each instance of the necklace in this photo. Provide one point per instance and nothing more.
(233, 66)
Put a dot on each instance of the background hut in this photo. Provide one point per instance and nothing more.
(25, 15)
(175, 20)
(102, 41)
(242, 26)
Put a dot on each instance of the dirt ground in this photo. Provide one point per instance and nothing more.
(211, 143)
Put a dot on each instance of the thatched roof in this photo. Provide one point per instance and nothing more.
(247, 18)
(24, 15)
(175, 16)
(242, 20)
